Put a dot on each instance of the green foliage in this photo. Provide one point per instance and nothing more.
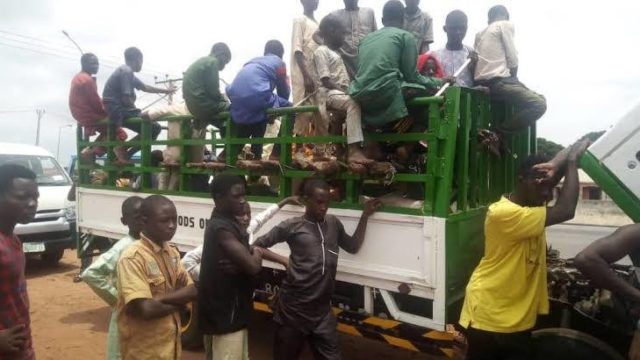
(593, 136)
(548, 147)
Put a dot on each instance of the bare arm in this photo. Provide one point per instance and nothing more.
(179, 297)
(276, 258)
(149, 309)
(309, 86)
(157, 90)
(352, 244)
(247, 262)
(595, 259)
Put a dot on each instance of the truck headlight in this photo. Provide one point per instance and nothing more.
(70, 212)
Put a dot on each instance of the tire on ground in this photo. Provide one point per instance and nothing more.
(52, 256)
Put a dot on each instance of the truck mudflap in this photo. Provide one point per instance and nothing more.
(392, 332)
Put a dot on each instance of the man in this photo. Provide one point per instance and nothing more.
(251, 94)
(201, 92)
(225, 298)
(153, 287)
(101, 275)
(497, 69)
(508, 289)
(86, 107)
(420, 24)
(302, 78)
(455, 53)
(119, 95)
(303, 310)
(333, 85)
(18, 204)
(387, 67)
(359, 22)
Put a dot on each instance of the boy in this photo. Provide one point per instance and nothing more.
(358, 22)
(455, 53)
(86, 107)
(153, 287)
(18, 204)
(419, 23)
(119, 95)
(334, 83)
(251, 94)
(101, 275)
(303, 310)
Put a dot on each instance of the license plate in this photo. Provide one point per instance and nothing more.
(33, 247)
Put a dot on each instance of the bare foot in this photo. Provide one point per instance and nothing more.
(356, 156)
(490, 141)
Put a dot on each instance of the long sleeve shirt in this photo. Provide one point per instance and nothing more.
(191, 260)
(496, 50)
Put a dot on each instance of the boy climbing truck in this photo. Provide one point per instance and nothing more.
(406, 285)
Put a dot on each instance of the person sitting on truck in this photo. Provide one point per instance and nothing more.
(225, 297)
(508, 289)
(201, 92)
(18, 205)
(333, 84)
(153, 287)
(251, 94)
(303, 309)
(101, 275)
(387, 71)
(497, 69)
(119, 95)
(87, 108)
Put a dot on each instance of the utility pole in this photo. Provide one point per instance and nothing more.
(40, 113)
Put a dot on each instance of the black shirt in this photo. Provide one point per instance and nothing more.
(122, 82)
(306, 291)
(225, 301)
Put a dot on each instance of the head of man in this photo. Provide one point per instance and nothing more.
(412, 6)
(498, 13)
(530, 188)
(332, 31)
(316, 198)
(18, 195)
(309, 5)
(393, 14)
(244, 219)
(132, 216)
(274, 47)
(229, 194)
(159, 218)
(133, 57)
(89, 63)
(222, 53)
(456, 27)
(351, 5)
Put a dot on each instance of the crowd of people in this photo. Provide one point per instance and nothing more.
(357, 74)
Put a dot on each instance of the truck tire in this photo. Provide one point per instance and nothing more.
(562, 343)
(191, 336)
(52, 256)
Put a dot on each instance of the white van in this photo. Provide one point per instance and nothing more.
(54, 227)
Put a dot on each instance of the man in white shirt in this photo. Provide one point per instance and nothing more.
(497, 68)
(455, 53)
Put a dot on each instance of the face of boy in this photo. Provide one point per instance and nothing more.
(456, 31)
(234, 202)
(160, 225)
(245, 218)
(537, 192)
(317, 204)
(20, 202)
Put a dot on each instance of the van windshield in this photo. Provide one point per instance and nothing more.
(47, 170)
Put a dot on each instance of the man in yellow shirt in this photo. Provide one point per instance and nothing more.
(152, 287)
(508, 289)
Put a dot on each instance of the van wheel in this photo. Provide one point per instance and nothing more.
(190, 332)
(52, 256)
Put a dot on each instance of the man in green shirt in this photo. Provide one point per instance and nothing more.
(201, 92)
(387, 61)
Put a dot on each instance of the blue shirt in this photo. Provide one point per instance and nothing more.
(251, 92)
(121, 83)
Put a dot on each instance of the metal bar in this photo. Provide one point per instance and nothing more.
(462, 152)
(447, 152)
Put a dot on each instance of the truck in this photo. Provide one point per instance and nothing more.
(406, 285)
(54, 227)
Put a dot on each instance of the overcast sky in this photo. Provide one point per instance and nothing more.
(583, 56)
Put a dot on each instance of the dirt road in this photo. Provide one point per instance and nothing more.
(70, 322)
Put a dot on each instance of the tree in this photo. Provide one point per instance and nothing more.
(593, 136)
(548, 148)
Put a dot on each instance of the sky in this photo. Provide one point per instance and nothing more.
(582, 56)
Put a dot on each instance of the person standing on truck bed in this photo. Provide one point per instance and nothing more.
(201, 93)
(18, 204)
(87, 108)
(497, 69)
(152, 287)
(227, 271)
(455, 53)
(101, 275)
(419, 23)
(359, 22)
(508, 289)
(119, 95)
(303, 309)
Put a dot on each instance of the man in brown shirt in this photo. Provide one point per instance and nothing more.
(153, 287)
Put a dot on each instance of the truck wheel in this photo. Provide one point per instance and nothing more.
(52, 256)
(190, 332)
(561, 343)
